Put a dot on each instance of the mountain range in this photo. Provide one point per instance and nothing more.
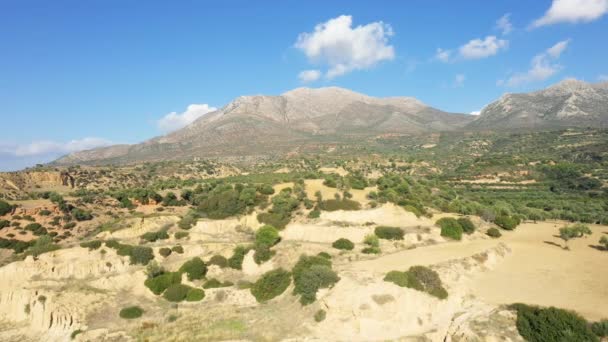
(262, 125)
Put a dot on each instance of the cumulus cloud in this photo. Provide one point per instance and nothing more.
(309, 75)
(174, 121)
(504, 24)
(443, 55)
(542, 66)
(50, 147)
(344, 48)
(572, 11)
(478, 48)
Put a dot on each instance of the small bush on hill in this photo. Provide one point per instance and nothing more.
(315, 213)
(310, 274)
(188, 220)
(5, 208)
(131, 312)
(160, 283)
(218, 260)
(506, 222)
(419, 278)
(270, 285)
(4, 223)
(81, 215)
(343, 204)
(344, 244)
(600, 328)
(320, 315)
(141, 255)
(373, 245)
(165, 252)
(195, 295)
(195, 268)
(236, 260)
(262, 254)
(537, 324)
(154, 236)
(91, 245)
(493, 232)
(389, 233)
(214, 283)
(267, 236)
(324, 255)
(176, 292)
(181, 235)
(466, 224)
(450, 228)
(178, 249)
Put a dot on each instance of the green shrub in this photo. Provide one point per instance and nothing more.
(5, 208)
(506, 222)
(178, 249)
(262, 254)
(315, 213)
(165, 252)
(467, 226)
(274, 219)
(324, 255)
(44, 212)
(389, 233)
(600, 328)
(537, 324)
(267, 236)
(195, 268)
(36, 229)
(218, 260)
(343, 204)
(81, 215)
(155, 236)
(176, 292)
(69, 225)
(344, 244)
(91, 245)
(450, 228)
(214, 283)
(75, 333)
(270, 285)
(4, 223)
(419, 278)
(188, 220)
(236, 260)
(195, 295)
(320, 316)
(42, 245)
(141, 255)
(181, 235)
(493, 232)
(160, 283)
(131, 312)
(373, 244)
(310, 274)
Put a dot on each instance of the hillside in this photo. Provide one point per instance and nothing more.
(262, 125)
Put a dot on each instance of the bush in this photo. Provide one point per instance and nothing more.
(91, 245)
(165, 252)
(466, 224)
(600, 328)
(5, 208)
(419, 278)
(214, 283)
(493, 232)
(450, 228)
(336, 204)
(218, 260)
(141, 255)
(187, 221)
(262, 254)
(267, 236)
(131, 312)
(389, 233)
(181, 235)
(373, 244)
(81, 215)
(506, 222)
(36, 229)
(270, 285)
(178, 249)
(315, 213)
(343, 244)
(324, 255)
(176, 292)
(160, 283)
(195, 295)
(236, 260)
(537, 324)
(195, 268)
(154, 236)
(310, 274)
(4, 223)
(320, 316)
(44, 212)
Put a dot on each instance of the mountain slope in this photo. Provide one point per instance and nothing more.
(570, 103)
(261, 125)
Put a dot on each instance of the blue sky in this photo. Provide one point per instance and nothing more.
(77, 74)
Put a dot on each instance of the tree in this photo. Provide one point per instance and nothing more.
(604, 242)
(5, 208)
(572, 232)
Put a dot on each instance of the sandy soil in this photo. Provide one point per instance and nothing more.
(539, 271)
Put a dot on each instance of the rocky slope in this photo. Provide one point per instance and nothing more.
(570, 103)
(253, 125)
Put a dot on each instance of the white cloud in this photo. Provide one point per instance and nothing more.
(475, 112)
(309, 75)
(49, 147)
(603, 78)
(459, 80)
(477, 48)
(174, 121)
(542, 66)
(443, 55)
(572, 11)
(504, 24)
(344, 48)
